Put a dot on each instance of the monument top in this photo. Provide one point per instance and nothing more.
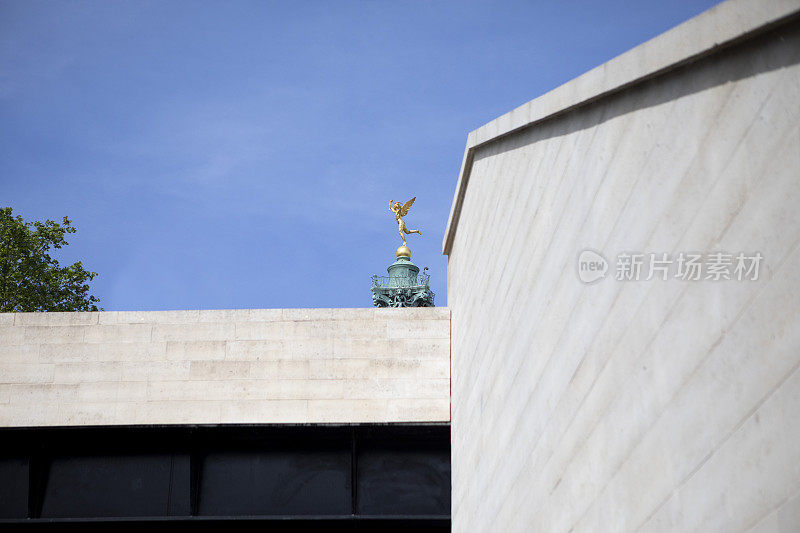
(405, 286)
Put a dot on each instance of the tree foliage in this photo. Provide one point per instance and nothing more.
(31, 280)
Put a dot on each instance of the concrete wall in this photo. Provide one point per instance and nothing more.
(208, 367)
(651, 405)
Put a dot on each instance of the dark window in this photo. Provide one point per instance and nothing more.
(276, 482)
(402, 473)
(388, 477)
(13, 487)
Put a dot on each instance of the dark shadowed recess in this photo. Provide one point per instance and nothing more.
(270, 477)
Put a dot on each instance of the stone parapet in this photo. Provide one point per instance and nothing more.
(224, 367)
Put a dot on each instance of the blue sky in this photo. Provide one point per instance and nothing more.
(243, 154)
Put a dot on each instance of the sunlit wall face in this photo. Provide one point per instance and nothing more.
(589, 390)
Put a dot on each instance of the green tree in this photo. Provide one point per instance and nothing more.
(31, 280)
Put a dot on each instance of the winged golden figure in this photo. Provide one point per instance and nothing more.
(399, 212)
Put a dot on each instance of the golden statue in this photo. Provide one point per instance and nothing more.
(399, 212)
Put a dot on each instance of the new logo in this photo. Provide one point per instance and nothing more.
(591, 266)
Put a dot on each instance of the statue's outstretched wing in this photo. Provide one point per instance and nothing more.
(406, 207)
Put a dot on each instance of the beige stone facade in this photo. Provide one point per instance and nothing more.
(230, 366)
(634, 406)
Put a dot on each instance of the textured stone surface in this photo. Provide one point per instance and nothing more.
(230, 366)
(722, 25)
(660, 405)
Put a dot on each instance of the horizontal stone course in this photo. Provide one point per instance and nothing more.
(225, 366)
(26, 373)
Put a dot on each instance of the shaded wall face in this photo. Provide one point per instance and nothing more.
(221, 367)
(663, 405)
